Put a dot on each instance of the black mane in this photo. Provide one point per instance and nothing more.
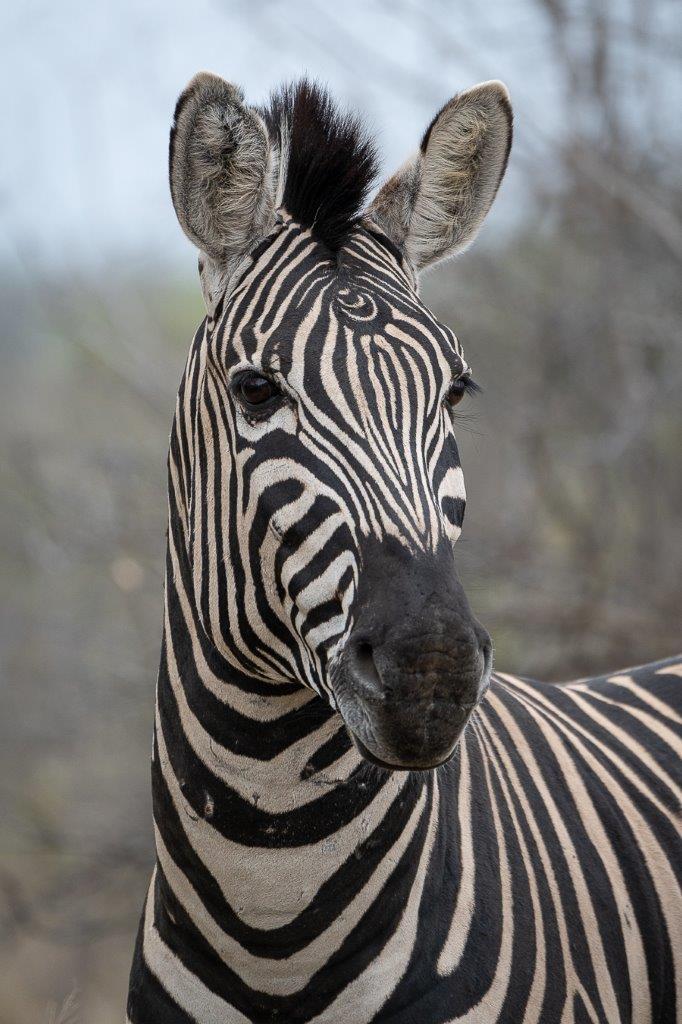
(331, 161)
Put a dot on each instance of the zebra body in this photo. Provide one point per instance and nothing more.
(355, 819)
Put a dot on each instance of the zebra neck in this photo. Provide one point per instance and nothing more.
(244, 779)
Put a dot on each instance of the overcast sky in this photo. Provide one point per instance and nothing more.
(92, 87)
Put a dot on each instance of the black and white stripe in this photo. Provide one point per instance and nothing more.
(535, 876)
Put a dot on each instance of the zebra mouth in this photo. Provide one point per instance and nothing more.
(402, 767)
(404, 721)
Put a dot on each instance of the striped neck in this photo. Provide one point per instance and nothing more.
(246, 776)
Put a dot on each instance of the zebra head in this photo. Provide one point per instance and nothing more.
(316, 489)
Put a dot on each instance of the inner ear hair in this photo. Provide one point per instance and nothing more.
(221, 168)
(436, 202)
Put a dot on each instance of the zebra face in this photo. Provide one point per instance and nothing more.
(321, 482)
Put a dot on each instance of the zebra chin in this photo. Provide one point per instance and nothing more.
(416, 663)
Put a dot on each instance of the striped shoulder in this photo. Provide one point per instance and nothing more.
(657, 686)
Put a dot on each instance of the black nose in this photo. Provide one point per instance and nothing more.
(416, 663)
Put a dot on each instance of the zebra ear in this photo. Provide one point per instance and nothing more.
(221, 177)
(435, 203)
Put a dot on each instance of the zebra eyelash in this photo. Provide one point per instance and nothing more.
(459, 388)
(470, 385)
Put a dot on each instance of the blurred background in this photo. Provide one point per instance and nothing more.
(568, 307)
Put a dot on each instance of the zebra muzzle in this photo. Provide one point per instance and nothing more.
(416, 663)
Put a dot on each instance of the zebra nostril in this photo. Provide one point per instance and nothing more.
(365, 670)
(363, 653)
(485, 647)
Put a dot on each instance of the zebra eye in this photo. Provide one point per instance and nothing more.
(459, 388)
(254, 391)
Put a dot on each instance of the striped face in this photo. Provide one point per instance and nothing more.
(325, 491)
(314, 468)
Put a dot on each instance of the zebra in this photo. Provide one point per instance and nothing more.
(355, 818)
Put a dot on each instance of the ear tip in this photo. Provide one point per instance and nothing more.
(202, 90)
(206, 85)
(494, 85)
(493, 90)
